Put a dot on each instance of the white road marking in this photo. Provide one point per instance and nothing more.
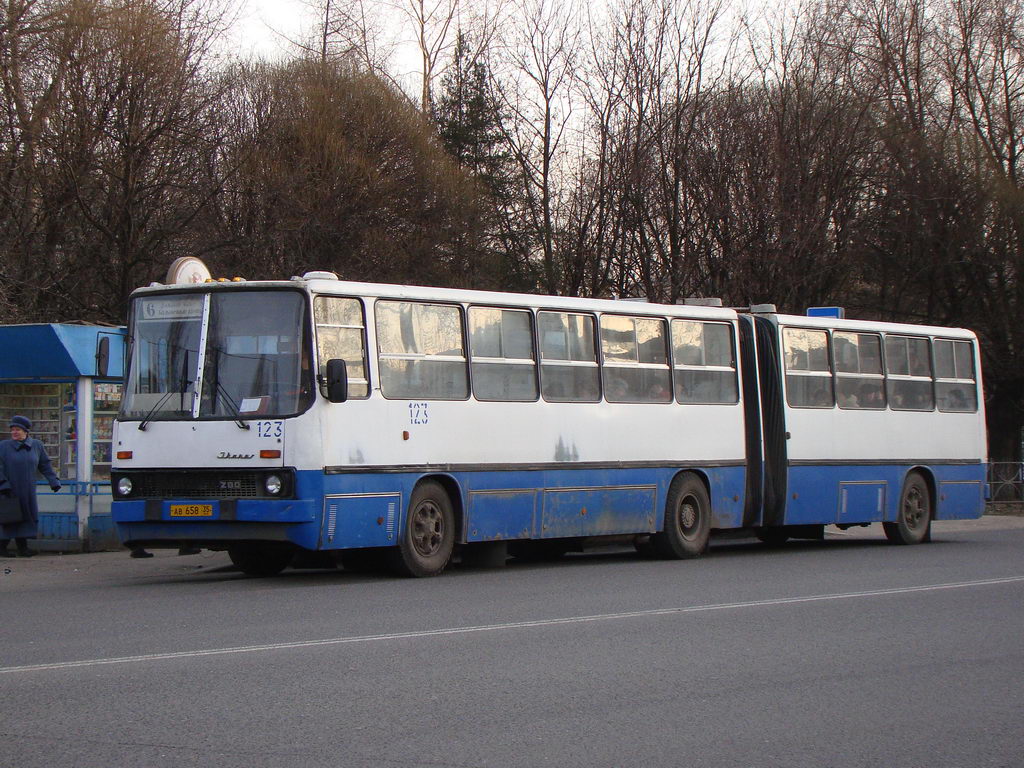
(512, 625)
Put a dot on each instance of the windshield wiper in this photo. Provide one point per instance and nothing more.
(183, 391)
(221, 392)
(155, 408)
(236, 412)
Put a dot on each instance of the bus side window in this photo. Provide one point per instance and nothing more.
(568, 356)
(859, 382)
(501, 354)
(909, 373)
(341, 334)
(956, 388)
(808, 371)
(635, 359)
(420, 351)
(704, 362)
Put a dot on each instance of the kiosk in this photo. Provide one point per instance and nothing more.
(67, 379)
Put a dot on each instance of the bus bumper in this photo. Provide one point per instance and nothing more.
(153, 523)
(201, 511)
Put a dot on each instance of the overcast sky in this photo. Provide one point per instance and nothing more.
(258, 19)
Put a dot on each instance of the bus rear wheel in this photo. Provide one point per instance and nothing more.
(914, 521)
(261, 559)
(687, 527)
(429, 536)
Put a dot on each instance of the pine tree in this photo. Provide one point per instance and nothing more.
(469, 124)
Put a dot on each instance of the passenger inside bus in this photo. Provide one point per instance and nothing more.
(870, 395)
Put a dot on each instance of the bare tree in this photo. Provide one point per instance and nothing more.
(112, 158)
(437, 25)
(37, 40)
(537, 94)
(353, 31)
(790, 151)
(983, 52)
(339, 171)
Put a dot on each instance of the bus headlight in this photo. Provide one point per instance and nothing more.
(273, 485)
(124, 486)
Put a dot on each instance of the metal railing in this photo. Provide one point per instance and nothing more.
(1006, 486)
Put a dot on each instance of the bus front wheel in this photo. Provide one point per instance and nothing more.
(914, 521)
(260, 559)
(429, 537)
(687, 520)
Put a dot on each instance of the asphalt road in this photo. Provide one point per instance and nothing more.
(847, 652)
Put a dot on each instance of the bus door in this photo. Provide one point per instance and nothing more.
(753, 443)
(772, 424)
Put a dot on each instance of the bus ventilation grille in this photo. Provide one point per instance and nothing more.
(196, 485)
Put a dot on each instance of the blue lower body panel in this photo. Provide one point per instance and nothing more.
(850, 494)
(367, 509)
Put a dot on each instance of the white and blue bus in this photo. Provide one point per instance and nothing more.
(271, 419)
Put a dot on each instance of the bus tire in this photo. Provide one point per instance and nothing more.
(429, 536)
(687, 527)
(914, 517)
(261, 559)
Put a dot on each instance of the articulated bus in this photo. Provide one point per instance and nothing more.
(365, 423)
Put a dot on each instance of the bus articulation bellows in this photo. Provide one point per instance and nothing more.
(405, 423)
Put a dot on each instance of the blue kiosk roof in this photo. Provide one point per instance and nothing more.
(57, 351)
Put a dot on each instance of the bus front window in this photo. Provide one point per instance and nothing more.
(256, 362)
(165, 357)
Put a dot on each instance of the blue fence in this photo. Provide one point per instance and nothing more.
(58, 518)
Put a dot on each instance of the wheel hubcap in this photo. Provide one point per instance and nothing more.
(689, 517)
(914, 509)
(427, 529)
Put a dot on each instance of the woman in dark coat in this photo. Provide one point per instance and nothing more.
(21, 458)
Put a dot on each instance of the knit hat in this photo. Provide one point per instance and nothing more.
(21, 421)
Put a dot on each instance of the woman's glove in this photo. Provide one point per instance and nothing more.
(55, 487)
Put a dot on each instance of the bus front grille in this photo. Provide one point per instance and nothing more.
(197, 485)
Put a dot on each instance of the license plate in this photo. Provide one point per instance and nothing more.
(191, 510)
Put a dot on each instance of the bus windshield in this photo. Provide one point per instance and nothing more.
(255, 361)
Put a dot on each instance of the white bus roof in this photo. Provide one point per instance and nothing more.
(454, 295)
(871, 325)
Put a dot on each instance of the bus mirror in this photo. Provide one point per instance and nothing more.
(337, 381)
(102, 356)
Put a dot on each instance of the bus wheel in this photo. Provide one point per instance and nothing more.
(429, 536)
(914, 523)
(261, 559)
(687, 520)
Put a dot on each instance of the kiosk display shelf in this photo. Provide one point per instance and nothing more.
(106, 400)
(42, 403)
